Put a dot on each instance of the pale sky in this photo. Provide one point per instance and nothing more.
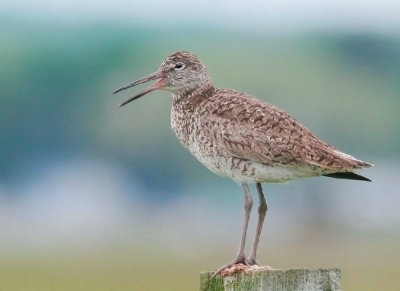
(254, 14)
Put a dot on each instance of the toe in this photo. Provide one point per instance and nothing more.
(240, 262)
(251, 262)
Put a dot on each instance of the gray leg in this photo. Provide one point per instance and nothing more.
(240, 257)
(262, 210)
(248, 204)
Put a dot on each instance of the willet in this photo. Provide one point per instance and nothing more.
(240, 137)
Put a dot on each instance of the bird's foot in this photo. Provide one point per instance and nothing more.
(251, 262)
(238, 263)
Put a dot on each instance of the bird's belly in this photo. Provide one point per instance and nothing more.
(241, 170)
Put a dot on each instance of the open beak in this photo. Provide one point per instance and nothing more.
(159, 84)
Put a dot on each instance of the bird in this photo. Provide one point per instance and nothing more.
(241, 137)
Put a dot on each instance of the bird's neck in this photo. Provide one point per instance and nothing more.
(188, 100)
(183, 107)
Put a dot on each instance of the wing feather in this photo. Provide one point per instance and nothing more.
(250, 129)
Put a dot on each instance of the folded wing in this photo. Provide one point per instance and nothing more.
(260, 132)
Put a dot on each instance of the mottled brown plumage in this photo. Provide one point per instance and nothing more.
(233, 125)
(238, 136)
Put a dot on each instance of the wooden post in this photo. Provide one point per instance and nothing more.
(274, 280)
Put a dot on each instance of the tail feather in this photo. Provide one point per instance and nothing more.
(355, 163)
(347, 175)
(363, 164)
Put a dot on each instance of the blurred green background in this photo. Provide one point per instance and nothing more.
(96, 197)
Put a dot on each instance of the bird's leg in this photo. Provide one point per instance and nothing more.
(240, 257)
(248, 204)
(262, 210)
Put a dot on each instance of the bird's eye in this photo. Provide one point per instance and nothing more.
(179, 66)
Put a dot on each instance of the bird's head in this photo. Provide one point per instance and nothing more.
(180, 73)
